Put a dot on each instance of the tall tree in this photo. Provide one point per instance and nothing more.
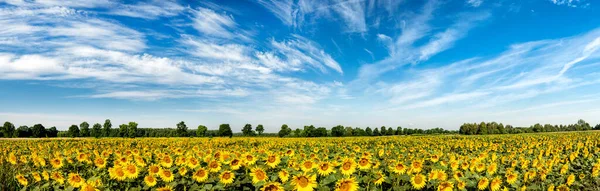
(348, 131)
(85, 129)
(338, 131)
(247, 130)
(96, 130)
(74, 131)
(52, 132)
(107, 127)
(181, 129)
(123, 132)
(201, 131)
(398, 131)
(38, 130)
(368, 131)
(320, 132)
(376, 132)
(225, 130)
(284, 131)
(382, 131)
(8, 130)
(390, 131)
(23, 131)
(298, 132)
(132, 129)
(260, 129)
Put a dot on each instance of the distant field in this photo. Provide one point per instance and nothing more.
(548, 161)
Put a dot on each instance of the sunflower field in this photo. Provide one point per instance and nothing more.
(553, 161)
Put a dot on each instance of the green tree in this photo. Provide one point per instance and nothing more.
(298, 132)
(309, 131)
(320, 132)
(123, 132)
(8, 130)
(73, 131)
(368, 131)
(85, 129)
(132, 129)
(247, 130)
(348, 131)
(284, 131)
(52, 132)
(201, 131)
(225, 130)
(96, 130)
(390, 131)
(107, 128)
(398, 131)
(260, 129)
(181, 129)
(338, 131)
(376, 132)
(23, 131)
(38, 130)
(382, 131)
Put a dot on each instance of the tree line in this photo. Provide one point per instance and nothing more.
(131, 130)
(484, 128)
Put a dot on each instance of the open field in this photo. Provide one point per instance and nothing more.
(550, 161)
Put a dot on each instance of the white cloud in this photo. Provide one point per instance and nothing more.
(570, 3)
(292, 54)
(475, 3)
(212, 51)
(211, 23)
(148, 10)
(353, 14)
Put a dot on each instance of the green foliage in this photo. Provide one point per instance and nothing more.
(132, 129)
(38, 130)
(52, 132)
(260, 129)
(338, 131)
(182, 129)
(247, 130)
(8, 130)
(85, 129)
(123, 130)
(368, 131)
(284, 131)
(201, 131)
(73, 131)
(225, 130)
(107, 128)
(495, 128)
(96, 130)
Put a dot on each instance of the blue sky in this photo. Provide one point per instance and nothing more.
(420, 64)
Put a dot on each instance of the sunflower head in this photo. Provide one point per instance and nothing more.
(346, 184)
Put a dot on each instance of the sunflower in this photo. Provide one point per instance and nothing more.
(149, 180)
(214, 166)
(226, 177)
(346, 184)
(550, 188)
(564, 169)
(75, 180)
(483, 183)
(445, 186)
(399, 168)
(100, 162)
(235, 164)
(21, 179)
(304, 182)
(193, 163)
(153, 169)
(45, 175)
(36, 176)
(56, 163)
(492, 168)
(379, 178)
(348, 167)
(562, 187)
(131, 171)
(166, 175)
(511, 177)
(325, 169)
(249, 159)
(570, 180)
(416, 166)
(88, 187)
(364, 164)
(258, 175)
(272, 186)
(117, 173)
(166, 161)
(200, 175)
(58, 177)
(283, 175)
(495, 183)
(166, 188)
(461, 185)
(418, 181)
(307, 165)
(273, 160)
(12, 159)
